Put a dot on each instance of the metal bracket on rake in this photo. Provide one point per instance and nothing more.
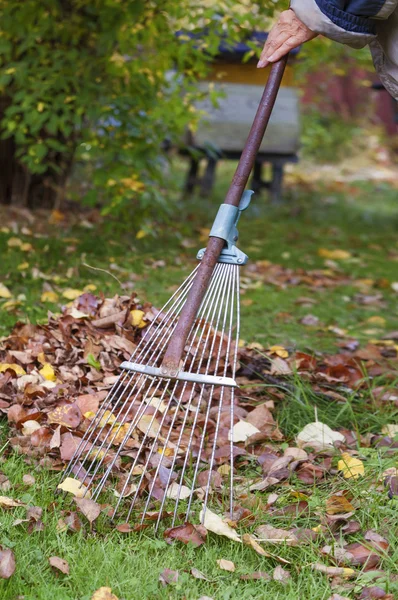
(180, 375)
(225, 227)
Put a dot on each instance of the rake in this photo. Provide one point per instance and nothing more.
(168, 419)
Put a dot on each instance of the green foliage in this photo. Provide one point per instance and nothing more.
(105, 82)
(327, 137)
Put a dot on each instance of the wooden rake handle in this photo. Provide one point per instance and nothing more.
(171, 362)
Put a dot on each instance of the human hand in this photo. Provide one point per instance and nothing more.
(288, 33)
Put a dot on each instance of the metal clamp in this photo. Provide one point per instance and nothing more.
(225, 227)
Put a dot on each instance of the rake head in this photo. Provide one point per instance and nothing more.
(157, 440)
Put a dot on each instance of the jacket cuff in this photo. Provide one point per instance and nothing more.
(324, 18)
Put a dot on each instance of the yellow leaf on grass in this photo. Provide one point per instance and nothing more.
(279, 351)
(49, 297)
(75, 487)
(14, 242)
(90, 287)
(71, 294)
(4, 291)
(334, 254)
(48, 372)
(350, 466)
(104, 593)
(18, 370)
(140, 234)
(214, 523)
(26, 247)
(338, 504)
(376, 320)
(137, 318)
(23, 266)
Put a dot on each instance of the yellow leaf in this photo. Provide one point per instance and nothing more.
(334, 254)
(119, 433)
(23, 266)
(133, 184)
(137, 319)
(376, 321)
(56, 217)
(18, 370)
(4, 291)
(40, 107)
(104, 593)
(149, 426)
(350, 466)
(14, 242)
(90, 287)
(140, 234)
(107, 419)
(49, 297)
(26, 247)
(71, 294)
(48, 372)
(75, 487)
(279, 351)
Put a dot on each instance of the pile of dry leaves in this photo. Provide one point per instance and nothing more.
(54, 377)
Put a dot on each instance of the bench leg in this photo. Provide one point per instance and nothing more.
(276, 184)
(192, 176)
(208, 178)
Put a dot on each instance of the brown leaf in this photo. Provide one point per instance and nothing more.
(281, 575)
(361, 555)
(7, 563)
(186, 533)
(198, 574)
(338, 503)
(34, 513)
(6, 502)
(68, 415)
(226, 565)
(90, 509)
(70, 522)
(267, 533)
(334, 571)
(168, 577)
(28, 479)
(60, 564)
(375, 593)
(124, 528)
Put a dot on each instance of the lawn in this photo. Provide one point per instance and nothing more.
(323, 272)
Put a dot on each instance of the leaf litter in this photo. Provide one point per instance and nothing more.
(51, 391)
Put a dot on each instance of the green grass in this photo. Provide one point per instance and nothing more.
(361, 219)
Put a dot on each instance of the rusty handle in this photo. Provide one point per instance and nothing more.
(175, 349)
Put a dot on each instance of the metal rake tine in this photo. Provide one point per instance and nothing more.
(210, 291)
(178, 303)
(122, 377)
(220, 404)
(208, 325)
(197, 412)
(148, 429)
(202, 438)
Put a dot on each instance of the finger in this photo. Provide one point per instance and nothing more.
(290, 44)
(271, 44)
(270, 49)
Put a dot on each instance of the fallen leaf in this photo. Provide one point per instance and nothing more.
(4, 291)
(198, 574)
(90, 509)
(28, 480)
(149, 426)
(268, 533)
(6, 502)
(48, 372)
(241, 431)
(186, 533)
(18, 370)
(279, 351)
(337, 504)
(29, 427)
(281, 575)
(334, 571)
(104, 593)
(71, 294)
(391, 429)
(73, 486)
(59, 563)
(175, 491)
(168, 577)
(215, 524)
(49, 297)
(137, 319)
(67, 415)
(7, 562)
(334, 254)
(226, 565)
(318, 436)
(350, 466)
